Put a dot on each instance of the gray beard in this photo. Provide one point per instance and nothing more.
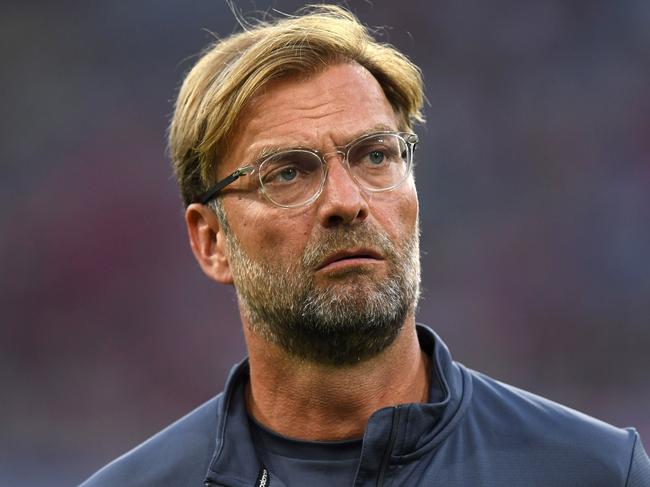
(353, 318)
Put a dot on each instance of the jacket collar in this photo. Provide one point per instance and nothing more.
(417, 428)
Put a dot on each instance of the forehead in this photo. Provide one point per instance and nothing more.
(325, 109)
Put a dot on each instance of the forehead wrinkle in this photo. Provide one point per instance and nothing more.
(296, 114)
(315, 116)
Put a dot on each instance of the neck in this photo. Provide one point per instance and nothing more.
(311, 401)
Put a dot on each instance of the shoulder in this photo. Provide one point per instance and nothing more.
(177, 456)
(553, 436)
(510, 408)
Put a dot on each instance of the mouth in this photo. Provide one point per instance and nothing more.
(350, 257)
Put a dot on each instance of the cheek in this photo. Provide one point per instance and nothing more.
(397, 211)
(278, 233)
(409, 205)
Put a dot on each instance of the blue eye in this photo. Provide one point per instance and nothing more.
(283, 174)
(376, 157)
(288, 174)
(290, 167)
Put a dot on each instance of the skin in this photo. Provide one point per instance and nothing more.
(295, 398)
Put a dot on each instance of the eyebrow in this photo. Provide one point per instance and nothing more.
(269, 150)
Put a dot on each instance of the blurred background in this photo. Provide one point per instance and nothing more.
(534, 182)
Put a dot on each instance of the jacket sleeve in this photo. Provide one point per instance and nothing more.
(639, 474)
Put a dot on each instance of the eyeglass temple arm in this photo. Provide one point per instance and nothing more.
(218, 186)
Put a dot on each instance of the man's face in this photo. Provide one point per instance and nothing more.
(334, 281)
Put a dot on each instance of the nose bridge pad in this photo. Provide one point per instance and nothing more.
(326, 155)
(344, 162)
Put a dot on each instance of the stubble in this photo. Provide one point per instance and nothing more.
(348, 318)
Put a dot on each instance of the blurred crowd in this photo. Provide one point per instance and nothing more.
(534, 184)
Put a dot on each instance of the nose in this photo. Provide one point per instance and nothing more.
(342, 201)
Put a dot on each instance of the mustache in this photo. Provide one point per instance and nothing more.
(341, 238)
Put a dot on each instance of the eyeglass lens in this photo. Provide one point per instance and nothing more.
(377, 162)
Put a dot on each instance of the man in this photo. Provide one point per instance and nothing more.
(293, 147)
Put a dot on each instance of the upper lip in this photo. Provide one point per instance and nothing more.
(350, 253)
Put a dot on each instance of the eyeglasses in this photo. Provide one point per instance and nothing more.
(289, 178)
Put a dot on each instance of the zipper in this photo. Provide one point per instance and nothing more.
(389, 449)
(263, 479)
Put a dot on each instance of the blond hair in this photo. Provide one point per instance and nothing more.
(231, 71)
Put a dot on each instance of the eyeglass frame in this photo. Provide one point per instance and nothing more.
(410, 139)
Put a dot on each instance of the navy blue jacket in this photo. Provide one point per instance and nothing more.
(479, 432)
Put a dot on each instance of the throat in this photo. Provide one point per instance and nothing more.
(315, 402)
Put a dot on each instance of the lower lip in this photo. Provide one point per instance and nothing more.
(348, 263)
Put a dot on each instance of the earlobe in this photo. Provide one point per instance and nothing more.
(208, 242)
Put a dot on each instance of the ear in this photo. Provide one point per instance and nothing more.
(208, 242)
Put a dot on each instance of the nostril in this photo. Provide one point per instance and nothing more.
(344, 216)
(334, 220)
